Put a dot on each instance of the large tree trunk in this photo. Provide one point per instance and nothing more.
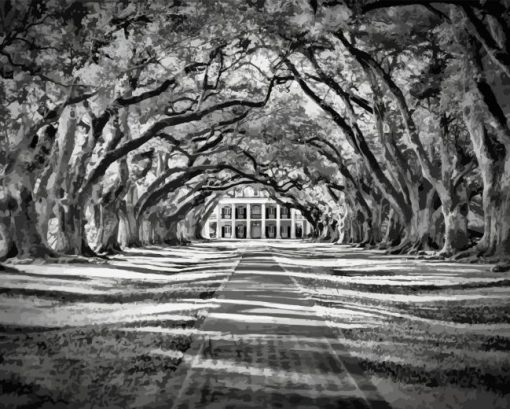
(356, 229)
(331, 231)
(375, 223)
(129, 228)
(156, 228)
(496, 204)
(494, 164)
(200, 218)
(337, 234)
(172, 234)
(108, 231)
(25, 240)
(71, 238)
(455, 211)
(500, 239)
(58, 187)
(366, 233)
(206, 212)
(44, 214)
(490, 134)
(7, 245)
(392, 235)
(23, 165)
(60, 240)
(416, 234)
(197, 233)
(437, 227)
(147, 231)
(343, 226)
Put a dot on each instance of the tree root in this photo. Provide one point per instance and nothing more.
(416, 248)
(402, 248)
(58, 259)
(469, 253)
(69, 259)
(109, 251)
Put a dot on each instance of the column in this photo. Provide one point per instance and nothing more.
(248, 221)
(293, 224)
(206, 230)
(263, 221)
(218, 219)
(233, 234)
(278, 235)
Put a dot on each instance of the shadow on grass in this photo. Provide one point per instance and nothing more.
(90, 361)
(4, 270)
(143, 270)
(467, 377)
(414, 289)
(129, 297)
(33, 396)
(462, 314)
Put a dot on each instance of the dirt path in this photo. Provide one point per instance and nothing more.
(265, 347)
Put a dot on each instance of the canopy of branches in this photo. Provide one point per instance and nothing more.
(387, 123)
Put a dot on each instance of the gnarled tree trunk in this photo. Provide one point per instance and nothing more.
(108, 231)
(129, 228)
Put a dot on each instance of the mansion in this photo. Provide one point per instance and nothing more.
(249, 213)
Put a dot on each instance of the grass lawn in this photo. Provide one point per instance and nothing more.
(429, 334)
(77, 335)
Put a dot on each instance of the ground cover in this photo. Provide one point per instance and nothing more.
(429, 334)
(75, 335)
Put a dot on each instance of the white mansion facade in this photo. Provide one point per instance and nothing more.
(249, 213)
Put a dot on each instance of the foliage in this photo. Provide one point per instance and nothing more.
(361, 115)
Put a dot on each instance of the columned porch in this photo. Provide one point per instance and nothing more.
(259, 218)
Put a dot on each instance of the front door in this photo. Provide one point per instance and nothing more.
(256, 230)
(240, 231)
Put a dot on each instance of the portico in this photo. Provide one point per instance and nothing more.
(250, 214)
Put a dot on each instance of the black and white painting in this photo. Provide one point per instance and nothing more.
(259, 204)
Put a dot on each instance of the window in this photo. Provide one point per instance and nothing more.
(226, 212)
(256, 212)
(227, 231)
(284, 213)
(240, 212)
(271, 212)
